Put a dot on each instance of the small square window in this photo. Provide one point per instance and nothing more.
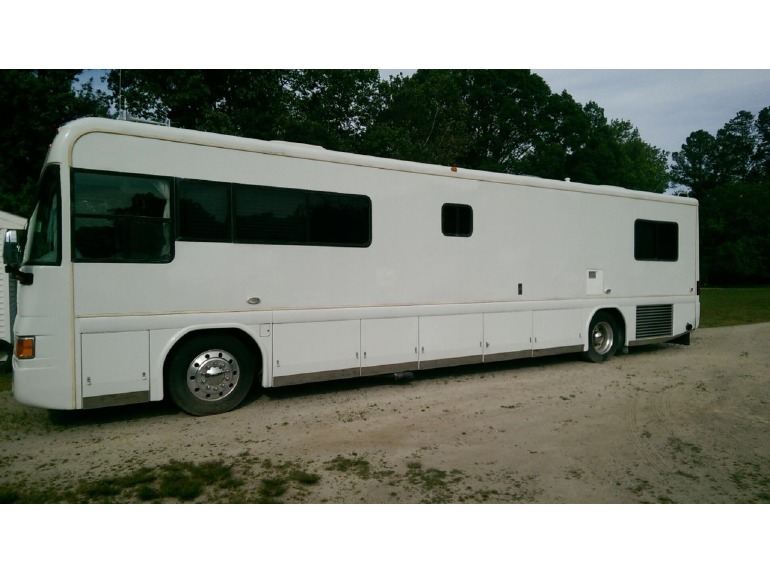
(656, 240)
(456, 220)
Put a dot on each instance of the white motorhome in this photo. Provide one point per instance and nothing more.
(168, 262)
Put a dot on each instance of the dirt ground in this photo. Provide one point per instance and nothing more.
(660, 424)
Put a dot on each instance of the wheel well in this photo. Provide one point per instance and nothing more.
(619, 320)
(237, 333)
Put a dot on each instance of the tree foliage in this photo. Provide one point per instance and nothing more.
(500, 120)
(509, 121)
(729, 175)
(36, 102)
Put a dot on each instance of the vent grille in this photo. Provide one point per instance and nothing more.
(654, 321)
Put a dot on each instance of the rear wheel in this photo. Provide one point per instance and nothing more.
(604, 338)
(210, 374)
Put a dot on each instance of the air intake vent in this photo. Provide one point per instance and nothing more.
(654, 321)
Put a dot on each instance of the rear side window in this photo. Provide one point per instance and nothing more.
(301, 217)
(203, 209)
(121, 218)
(656, 240)
(456, 220)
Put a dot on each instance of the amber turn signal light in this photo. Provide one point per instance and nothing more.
(25, 348)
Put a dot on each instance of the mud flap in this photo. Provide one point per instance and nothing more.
(682, 340)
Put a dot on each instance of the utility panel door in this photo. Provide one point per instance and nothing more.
(558, 330)
(389, 345)
(306, 352)
(115, 363)
(507, 335)
(451, 340)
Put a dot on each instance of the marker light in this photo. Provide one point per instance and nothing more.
(25, 348)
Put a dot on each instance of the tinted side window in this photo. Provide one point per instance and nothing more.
(656, 240)
(300, 217)
(269, 215)
(203, 210)
(337, 219)
(456, 220)
(121, 218)
(44, 229)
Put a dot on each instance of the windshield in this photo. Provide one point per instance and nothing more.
(44, 235)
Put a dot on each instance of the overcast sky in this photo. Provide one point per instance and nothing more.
(667, 105)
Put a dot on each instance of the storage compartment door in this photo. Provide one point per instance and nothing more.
(557, 331)
(507, 335)
(324, 350)
(449, 340)
(389, 345)
(115, 364)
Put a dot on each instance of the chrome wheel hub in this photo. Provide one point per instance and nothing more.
(602, 338)
(213, 375)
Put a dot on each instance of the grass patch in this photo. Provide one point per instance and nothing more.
(357, 466)
(176, 481)
(734, 306)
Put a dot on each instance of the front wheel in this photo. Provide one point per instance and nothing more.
(604, 338)
(210, 374)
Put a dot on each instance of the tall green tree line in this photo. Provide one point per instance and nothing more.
(729, 173)
(500, 120)
(35, 103)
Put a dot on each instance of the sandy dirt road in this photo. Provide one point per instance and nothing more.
(661, 424)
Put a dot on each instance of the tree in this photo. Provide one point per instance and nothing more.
(735, 241)
(695, 165)
(36, 103)
(509, 121)
(422, 118)
(761, 159)
(251, 103)
(728, 174)
(613, 153)
(332, 108)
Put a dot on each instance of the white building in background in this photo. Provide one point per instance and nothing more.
(7, 288)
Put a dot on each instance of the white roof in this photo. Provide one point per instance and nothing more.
(11, 221)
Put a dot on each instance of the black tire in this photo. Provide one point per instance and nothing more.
(210, 374)
(604, 338)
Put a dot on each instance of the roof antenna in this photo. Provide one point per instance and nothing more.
(122, 111)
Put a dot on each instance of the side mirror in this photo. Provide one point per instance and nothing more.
(13, 247)
(12, 250)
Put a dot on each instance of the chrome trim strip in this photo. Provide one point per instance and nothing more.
(654, 340)
(388, 369)
(116, 400)
(510, 356)
(450, 362)
(302, 378)
(557, 351)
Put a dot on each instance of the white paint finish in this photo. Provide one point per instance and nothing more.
(595, 282)
(316, 347)
(541, 234)
(449, 336)
(557, 328)
(389, 341)
(115, 363)
(507, 332)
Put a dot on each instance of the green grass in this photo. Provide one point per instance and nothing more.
(734, 306)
